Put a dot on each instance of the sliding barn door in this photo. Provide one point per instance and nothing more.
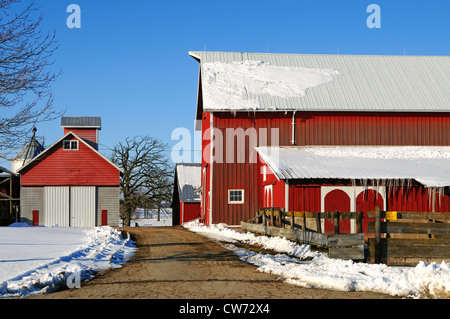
(82, 206)
(73, 206)
(57, 206)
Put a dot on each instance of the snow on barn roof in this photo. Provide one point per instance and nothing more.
(188, 178)
(428, 165)
(239, 81)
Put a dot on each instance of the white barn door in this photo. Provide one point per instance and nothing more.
(57, 206)
(73, 206)
(82, 206)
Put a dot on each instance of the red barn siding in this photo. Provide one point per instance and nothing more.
(88, 134)
(417, 199)
(311, 128)
(189, 211)
(304, 198)
(80, 167)
(346, 128)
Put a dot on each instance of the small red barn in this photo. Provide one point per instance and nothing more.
(186, 198)
(250, 100)
(70, 183)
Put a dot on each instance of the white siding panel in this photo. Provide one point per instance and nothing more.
(56, 206)
(83, 206)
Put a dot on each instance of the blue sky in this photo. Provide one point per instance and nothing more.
(129, 62)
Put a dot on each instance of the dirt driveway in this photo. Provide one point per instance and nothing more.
(174, 263)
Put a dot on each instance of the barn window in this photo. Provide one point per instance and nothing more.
(235, 196)
(70, 145)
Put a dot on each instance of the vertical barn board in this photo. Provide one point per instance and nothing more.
(31, 198)
(82, 206)
(57, 206)
(108, 199)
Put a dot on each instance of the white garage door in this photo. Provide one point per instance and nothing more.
(70, 206)
(57, 206)
(82, 206)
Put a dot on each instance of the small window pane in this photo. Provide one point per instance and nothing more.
(236, 196)
(66, 145)
(70, 145)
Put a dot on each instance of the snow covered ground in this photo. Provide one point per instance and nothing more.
(35, 260)
(299, 265)
(150, 218)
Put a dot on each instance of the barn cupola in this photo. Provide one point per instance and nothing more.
(85, 127)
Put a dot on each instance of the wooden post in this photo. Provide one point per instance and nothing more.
(264, 218)
(359, 228)
(304, 222)
(282, 218)
(271, 217)
(377, 235)
(292, 220)
(336, 222)
(318, 226)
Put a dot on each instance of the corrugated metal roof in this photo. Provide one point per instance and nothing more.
(188, 179)
(81, 121)
(364, 82)
(427, 165)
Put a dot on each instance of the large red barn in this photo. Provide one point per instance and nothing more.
(251, 100)
(70, 183)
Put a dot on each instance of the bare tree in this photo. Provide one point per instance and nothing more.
(25, 57)
(147, 174)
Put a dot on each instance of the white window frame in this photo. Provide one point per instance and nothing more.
(72, 146)
(236, 201)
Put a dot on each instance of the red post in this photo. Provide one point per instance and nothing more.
(104, 217)
(35, 218)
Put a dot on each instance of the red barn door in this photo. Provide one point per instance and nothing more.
(368, 201)
(337, 200)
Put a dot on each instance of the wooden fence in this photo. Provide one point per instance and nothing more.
(405, 238)
(393, 238)
(305, 228)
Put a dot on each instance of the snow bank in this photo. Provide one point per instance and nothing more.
(37, 260)
(237, 85)
(298, 265)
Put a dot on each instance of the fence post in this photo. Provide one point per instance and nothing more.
(336, 222)
(304, 222)
(282, 218)
(318, 226)
(271, 216)
(292, 220)
(377, 235)
(359, 228)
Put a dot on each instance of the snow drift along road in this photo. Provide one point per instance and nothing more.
(36, 260)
